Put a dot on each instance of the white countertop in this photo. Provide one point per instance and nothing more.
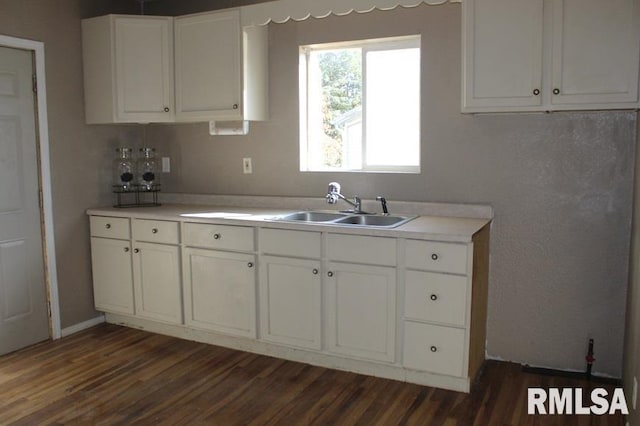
(441, 228)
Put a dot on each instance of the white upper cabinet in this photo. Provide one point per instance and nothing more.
(502, 54)
(220, 68)
(128, 69)
(545, 55)
(595, 53)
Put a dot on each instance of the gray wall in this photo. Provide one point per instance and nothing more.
(632, 336)
(80, 154)
(561, 186)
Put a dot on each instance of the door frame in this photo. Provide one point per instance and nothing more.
(49, 253)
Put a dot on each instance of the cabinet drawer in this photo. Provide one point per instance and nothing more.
(435, 297)
(224, 237)
(109, 227)
(359, 249)
(155, 231)
(290, 243)
(436, 256)
(434, 348)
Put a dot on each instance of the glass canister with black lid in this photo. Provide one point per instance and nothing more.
(123, 170)
(147, 179)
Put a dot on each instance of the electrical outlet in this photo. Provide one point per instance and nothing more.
(634, 396)
(166, 164)
(246, 166)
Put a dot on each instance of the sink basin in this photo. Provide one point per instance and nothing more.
(312, 216)
(346, 219)
(371, 220)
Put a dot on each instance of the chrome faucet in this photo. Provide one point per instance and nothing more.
(333, 195)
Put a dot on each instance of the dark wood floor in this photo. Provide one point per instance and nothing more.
(115, 375)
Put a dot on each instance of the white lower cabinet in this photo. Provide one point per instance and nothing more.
(112, 277)
(219, 290)
(290, 301)
(360, 309)
(405, 308)
(156, 271)
(434, 348)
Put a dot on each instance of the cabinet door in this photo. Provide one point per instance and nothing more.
(209, 66)
(156, 270)
(112, 275)
(361, 310)
(219, 289)
(502, 45)
(143, 69)
(290, 301)
(596, 48)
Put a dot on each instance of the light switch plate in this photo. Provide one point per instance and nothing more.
(166, 164)
(246, 166)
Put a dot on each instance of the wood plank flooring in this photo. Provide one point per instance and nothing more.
(112, 375)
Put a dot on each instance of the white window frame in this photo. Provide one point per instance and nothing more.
(370, 45)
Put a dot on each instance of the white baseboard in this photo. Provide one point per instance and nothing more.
(82, 326)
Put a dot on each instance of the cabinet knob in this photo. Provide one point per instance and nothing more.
(217, 236)
(166, 109)
(434, 256)
(433, 297)
(136, 250)
(330, 274)
(126, 249)
(250, 264)
(434, 349)
(108, 226)
(315, 271)
(154, 231)
(536, 92)
(556, 91)
(235, 106)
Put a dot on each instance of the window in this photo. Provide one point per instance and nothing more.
(360, 106)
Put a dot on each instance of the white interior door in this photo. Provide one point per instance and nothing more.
(24, 318)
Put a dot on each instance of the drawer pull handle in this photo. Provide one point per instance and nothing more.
(136, 250)
(434, 297)
(250, 264)
(434, 349)
(434, 256)
(330, 274)
(315, 271)
(126, 249)
(556, 91)
(154, 231)
(108, 226)
(217, 236)
(536, 92)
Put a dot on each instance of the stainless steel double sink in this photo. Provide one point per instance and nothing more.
(347, 219)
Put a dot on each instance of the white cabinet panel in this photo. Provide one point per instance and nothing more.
(440, 298)
(595, 51)
(503, 53)
(112, 275)
(361, 249)
(209, 66)
(361, 311)
(128, 69)
(437, 256)
(290, 295)
(433, 348)
(109, 227)
(219, 290)
(158, 293)
(539, 55)
(220, 237)
(155, 231)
